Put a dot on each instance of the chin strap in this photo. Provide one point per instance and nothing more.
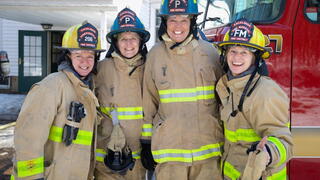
(244, 93)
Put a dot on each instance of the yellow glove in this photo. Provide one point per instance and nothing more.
(257, 162)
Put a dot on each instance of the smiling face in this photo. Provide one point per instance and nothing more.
(128, 44)
(82, 61)
(239, 59)
(178, 27)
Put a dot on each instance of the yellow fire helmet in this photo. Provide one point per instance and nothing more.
(244, 33)
(81, 37)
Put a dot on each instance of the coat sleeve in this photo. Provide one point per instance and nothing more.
(151, 99)
(270, 117)
(32, 132)
(218, 70)
(105, 127)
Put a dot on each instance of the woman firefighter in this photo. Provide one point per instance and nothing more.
(181, 130)
(119, 90)
(254, 109)
(55, 132)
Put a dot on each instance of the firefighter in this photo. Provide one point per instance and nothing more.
(254, 109)
(55, 130)
(119, 91)
(181, 133)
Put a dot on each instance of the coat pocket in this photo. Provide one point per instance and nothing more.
(49, 166)
(163, 84)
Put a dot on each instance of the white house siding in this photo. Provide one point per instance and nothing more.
(9, 36)
(148, 18)
(1, 30)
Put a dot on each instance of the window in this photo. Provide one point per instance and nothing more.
(312, 10)
(32, 56)
(256, 10)
(218, 13)
(224, 11)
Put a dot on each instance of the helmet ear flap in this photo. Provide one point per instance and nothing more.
(266, 55)
(223, 60)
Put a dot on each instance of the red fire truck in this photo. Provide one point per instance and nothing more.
(293, 30)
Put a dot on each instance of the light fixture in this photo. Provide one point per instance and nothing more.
(46, 26)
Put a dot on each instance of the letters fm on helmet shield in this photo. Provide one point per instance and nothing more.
(244, 33)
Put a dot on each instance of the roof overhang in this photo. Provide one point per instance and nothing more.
(62, 13)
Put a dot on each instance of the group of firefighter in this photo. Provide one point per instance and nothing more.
(185, 110)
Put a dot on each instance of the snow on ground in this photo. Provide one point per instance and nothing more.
(10, 105)
(6, 137)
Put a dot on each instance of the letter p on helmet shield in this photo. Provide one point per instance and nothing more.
(127, 20)
(177, 3)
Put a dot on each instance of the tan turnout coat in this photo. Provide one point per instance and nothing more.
(181, 115)
(117, 89)
(265, 113)
(39, 152)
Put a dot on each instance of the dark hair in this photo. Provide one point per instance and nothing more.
(259, 62)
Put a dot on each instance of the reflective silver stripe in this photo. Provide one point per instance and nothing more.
(183, 155)
(146, 130)
(102, 155)
(172, 155)
(114, 115)
(136, 154)
(130, 113)
(178, 95)
(200, 153)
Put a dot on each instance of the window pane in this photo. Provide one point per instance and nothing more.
(32, 51)
(312, 10)
(38, 51)
(32, 40)
(221, 12)
(26, 40)
(38, 41)
(26, 51)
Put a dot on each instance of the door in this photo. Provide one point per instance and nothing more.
(32, 58)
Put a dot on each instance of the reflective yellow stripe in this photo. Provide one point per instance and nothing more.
(248, 135)
(30, 167)
(125, 113)
(56, 134)
(83, 137)
(11, 177)
(100, 155)
(183, 155)
(187, 94)
(231, 171)
(281, 175)
(105, 110)
(288, 124)
(136, 155)
(146, 130)
(282, 150)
